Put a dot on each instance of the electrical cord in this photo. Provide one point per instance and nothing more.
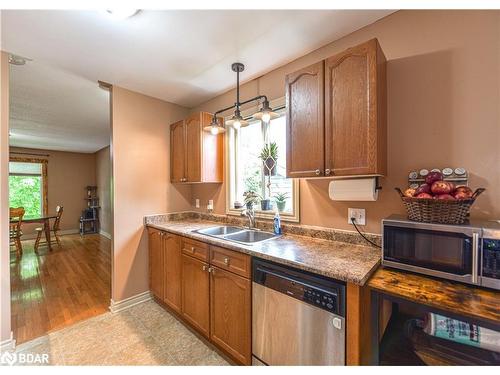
(353, 221)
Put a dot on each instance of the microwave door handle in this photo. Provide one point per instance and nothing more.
(475, 257)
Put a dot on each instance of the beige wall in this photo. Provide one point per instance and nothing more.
(103, 182)
(5, 329)
(68, 173)
(140, 142)
(443, 79)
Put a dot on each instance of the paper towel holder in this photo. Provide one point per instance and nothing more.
(355, 188)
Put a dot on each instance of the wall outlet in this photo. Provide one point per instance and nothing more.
(197, 203)
(358, 213)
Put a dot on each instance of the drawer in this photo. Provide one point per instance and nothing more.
(238, 263)
(195, 248)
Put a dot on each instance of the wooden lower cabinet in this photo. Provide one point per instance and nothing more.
(195, 294)
(230, 309)
(216, 302)
(156, 278)
(172, 271)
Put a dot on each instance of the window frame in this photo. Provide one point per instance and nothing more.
(229, 172)
(43, 162)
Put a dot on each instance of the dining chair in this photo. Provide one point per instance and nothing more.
(55, 229)
(15, 232)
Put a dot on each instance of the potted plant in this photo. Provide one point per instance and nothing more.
(280, 199)
(251, 198)
(269, 157)
(266, 204)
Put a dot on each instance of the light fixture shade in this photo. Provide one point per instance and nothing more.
(266, 113)
(233, 121)
(214, 127)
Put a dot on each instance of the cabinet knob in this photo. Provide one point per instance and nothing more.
(327, 172)
(226, 261)
(204, 268)
(192, 249)
(317, 172)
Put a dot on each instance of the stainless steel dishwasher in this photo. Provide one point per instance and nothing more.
(298, 317)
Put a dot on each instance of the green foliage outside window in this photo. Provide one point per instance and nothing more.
(26, 191)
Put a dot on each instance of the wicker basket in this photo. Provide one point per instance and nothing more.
(438, 210)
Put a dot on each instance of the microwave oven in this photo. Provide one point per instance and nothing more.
(469, 253)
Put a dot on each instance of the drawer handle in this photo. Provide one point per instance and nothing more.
(226, 261)
(192, 249)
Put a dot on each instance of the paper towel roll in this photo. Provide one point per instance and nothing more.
(356, 189)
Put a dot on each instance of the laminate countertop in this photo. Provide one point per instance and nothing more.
(339, 260)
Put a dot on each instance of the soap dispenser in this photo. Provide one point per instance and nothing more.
(277, 223)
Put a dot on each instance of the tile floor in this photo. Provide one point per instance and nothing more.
(145, 334)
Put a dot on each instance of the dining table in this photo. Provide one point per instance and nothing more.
(45, 220)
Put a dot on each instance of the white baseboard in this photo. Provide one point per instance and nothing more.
(9, 344)
(126, 303)
(105, 234)
(32, 236)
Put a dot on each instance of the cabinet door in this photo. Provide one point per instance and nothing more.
(172, 276)
(155, 243)
(354, 116)
(230, 311)
(177, 152)
(193, 148)
(195, 293)
(305, 122)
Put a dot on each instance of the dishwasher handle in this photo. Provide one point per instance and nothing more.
(264, 271)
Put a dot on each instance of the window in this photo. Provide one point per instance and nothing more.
(27, 186)
(247, 172)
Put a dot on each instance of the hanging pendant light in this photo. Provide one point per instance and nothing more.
(266, 113)
(237, 121)
(214, 127)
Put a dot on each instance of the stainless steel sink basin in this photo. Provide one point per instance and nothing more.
(235, 234)
(250, 236)
(219, 231)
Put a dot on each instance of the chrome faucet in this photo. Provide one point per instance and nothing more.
(250, 214)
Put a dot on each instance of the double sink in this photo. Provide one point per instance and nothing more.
(236, 234)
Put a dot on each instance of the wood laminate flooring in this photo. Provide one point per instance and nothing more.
(58, 288)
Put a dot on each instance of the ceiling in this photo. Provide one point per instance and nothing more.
(54, 109)
(181, 56)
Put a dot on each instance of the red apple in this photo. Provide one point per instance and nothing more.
(442, 187)
(447, 197)
(424, 196)
(410, 192)
(424, 188)
(462, 194)
(467, 191)
(433, 177)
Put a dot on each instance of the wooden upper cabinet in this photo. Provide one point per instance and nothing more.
(156, 266)
(196, 155)
(355, 111)
(230, 312)
(305, 121)
(172, 271)
(337, 115)
(177, 152)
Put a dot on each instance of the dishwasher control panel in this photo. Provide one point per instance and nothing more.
(325, 300)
